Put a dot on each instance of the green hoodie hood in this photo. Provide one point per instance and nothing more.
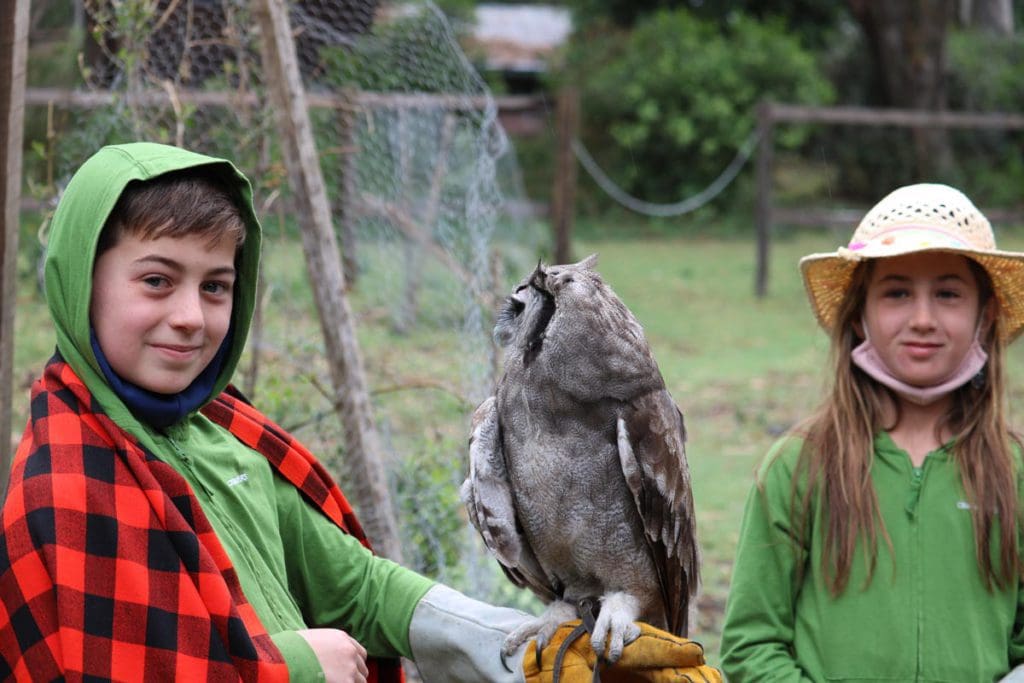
(71, 252)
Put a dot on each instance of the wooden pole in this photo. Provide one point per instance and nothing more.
(763, 217)
(563, 196)
(348, 125)
(363, 453)
(14, 18)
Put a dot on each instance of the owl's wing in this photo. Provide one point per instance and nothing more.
(487, 495)
(651, 441)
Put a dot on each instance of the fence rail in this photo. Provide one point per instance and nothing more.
(771, 114)
(87, 99)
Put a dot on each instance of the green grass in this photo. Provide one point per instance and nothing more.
(741, 368)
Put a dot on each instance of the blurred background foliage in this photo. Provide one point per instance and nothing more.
(669, 88)
(668, 94)
(669, 101)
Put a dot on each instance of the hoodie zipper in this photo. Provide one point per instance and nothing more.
(186, 461)
(914, 496)
(255, 569)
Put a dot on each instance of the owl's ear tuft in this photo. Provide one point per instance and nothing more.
(588, 262)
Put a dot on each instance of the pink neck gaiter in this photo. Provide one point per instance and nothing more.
(865, 356)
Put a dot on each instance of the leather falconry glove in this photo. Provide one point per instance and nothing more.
(656, 656)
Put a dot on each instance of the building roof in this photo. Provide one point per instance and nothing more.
(520, 37)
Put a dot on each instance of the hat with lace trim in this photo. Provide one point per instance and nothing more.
(915, 218)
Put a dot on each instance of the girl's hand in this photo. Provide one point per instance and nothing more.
(342, 658)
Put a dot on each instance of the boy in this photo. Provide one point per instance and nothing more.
(158, 527)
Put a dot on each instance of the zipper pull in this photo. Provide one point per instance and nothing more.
(179, 451)
(915, 491)
(186, 460)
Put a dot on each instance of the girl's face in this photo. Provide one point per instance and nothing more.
(921, 311)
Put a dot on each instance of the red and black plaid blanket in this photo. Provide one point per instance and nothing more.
(108, 567)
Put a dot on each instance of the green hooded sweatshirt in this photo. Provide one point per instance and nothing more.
(926, 615)
(297, 569)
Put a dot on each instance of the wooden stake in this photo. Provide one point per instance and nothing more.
(363, 453)
(14, 18)
(763, 217)
(563, 196)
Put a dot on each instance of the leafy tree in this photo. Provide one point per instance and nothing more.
(908, 43)
(668, 104)
(985, 73)
(811, 20)
(622, 13)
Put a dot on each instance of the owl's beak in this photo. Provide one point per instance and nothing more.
(538, 278)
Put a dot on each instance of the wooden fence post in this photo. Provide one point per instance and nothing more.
(14, 18)
(363, 453)
(763, 216)
(563, 196)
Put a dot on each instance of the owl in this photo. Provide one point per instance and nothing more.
(578, 481)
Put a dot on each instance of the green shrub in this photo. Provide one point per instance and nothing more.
(667, 105)
(985, 73)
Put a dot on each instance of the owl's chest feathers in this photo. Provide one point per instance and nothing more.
(567, 463)
(577, 515)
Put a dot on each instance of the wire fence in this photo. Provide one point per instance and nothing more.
(419, 175)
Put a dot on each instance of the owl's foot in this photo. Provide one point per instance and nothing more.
(615, 627)
(541, 628)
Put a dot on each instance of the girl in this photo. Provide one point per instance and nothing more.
(880, 541)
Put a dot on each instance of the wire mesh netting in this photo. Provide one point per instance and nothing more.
(419, 175)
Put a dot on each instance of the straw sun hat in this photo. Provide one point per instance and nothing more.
(924, 217)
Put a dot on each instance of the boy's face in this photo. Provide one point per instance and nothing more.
(161, 307)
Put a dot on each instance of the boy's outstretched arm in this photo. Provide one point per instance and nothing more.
(460, 640)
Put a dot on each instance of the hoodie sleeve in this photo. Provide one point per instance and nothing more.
(1016, 653)
(338, 583)
(757, 637)
(302, 662)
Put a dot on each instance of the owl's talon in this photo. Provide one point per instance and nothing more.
(615, 626)
(541, 628)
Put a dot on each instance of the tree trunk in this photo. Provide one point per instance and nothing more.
(995, 16)
(363, 453)
(14, 18)
(907, 39)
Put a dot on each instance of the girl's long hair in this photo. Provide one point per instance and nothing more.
(838, 451)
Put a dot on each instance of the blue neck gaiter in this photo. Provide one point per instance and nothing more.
(163, 410)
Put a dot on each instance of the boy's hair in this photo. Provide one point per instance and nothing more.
(193, 201)
(838, 451)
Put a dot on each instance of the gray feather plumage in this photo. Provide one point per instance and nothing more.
(578, 479)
